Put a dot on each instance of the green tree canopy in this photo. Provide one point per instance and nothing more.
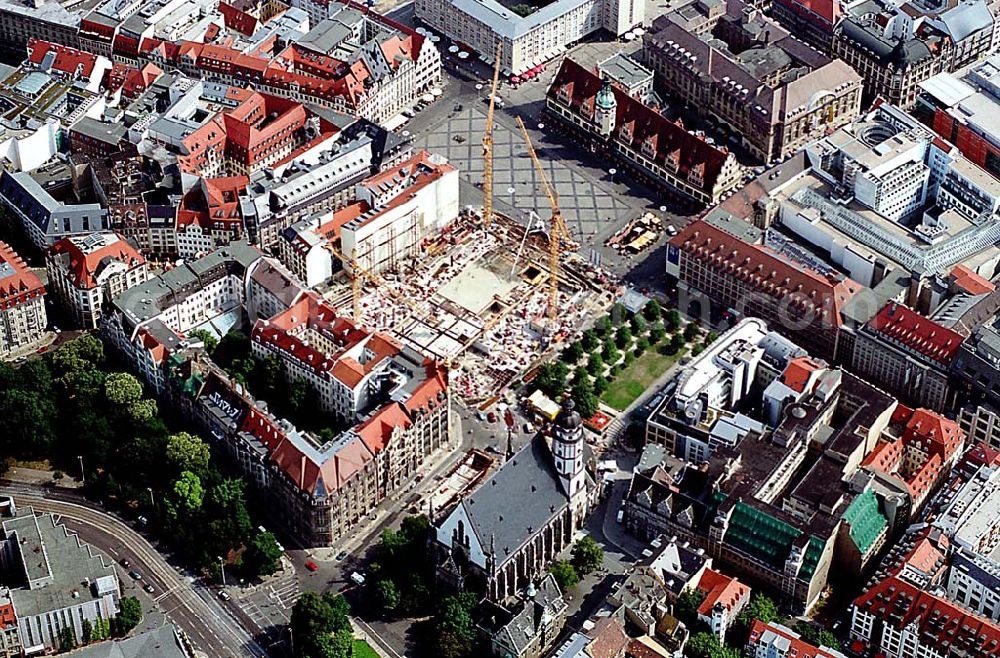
(584, 398)
(263, 556)
(188, 492)
(587, 555)
(551, 378)
(131, 613)
(122, 388)
(207, 338)
(565, 575)
(187, 452)
(652, 310)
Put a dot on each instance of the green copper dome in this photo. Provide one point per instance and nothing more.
(606, 97)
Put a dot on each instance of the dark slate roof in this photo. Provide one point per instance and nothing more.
(897, 51)
(521, 497)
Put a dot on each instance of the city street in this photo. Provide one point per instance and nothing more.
(192, 608)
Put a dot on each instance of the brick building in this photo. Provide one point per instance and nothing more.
(22, 303)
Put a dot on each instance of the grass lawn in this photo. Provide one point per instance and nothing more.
(637, 376)
(362, 650)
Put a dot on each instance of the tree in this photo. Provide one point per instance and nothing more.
(619, 313)
(387, 596)
(760, 607)
(641, 345)
(584, 398)
(342, 644)
(691, 331)
(573, 352)
(602, 327)
(207, 338)
(673, 319)
(687, 606)
(88, 631)
(590, 340)
(188, 492)
(623, 337)
(587, 555)
(130, 613)
(652, 310)
(455, 631)
(610, 352)
(676, 343)
(711, 337)
(551, 378)
(565, 575)
(600, 385)
(638, 324)
(67, 638)
(595, 365)
(263, 555)
(705, 644)
(657, 332)
(316, 616)
(187, 452)
(122, 388)
(142, 410)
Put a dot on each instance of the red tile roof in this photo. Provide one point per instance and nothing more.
(917, 333)
(607, 639)
(7, 617)
(796, 646)
(934, 434)
(18, 283)
(827, 10)
(236, 19)
(798, 371)
(65, 60)
(720, 589)
(972, 283)
(767, 272)
(83, 266)
(940, 624)
(577, 87)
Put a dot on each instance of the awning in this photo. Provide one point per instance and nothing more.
(629, 36)
(463, 55)
(638, 31)
(515, 79)
(453, 49)
(427, 98)
(437, 91)
(394, 122)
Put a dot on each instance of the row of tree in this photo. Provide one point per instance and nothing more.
(587, 557)
(73, 407)
(128, 617)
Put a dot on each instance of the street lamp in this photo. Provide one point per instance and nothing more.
(222, 566)
(83, 475)
(513, 199)
(541, 126)
(152, 502)
(612, 171)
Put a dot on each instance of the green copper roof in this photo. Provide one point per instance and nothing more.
(866, 520)
(606, 97)
(760, 534)
(809, 561)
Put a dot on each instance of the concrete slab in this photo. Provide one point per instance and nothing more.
(475, 287)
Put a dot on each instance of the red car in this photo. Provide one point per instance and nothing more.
(311, 566)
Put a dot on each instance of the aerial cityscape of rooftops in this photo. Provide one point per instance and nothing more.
(500, 328)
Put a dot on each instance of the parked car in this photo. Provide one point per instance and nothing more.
(491, 416)
(135, 575)
(341, 556)
(311, 566)
(125, 563)
(224, 595)
(149, 588)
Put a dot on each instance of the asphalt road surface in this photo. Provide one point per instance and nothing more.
(192, 609)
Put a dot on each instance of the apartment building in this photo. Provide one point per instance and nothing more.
(527, 41)
(87, 272)
(895, 48)
(348, 366)
(22, 303)
(772, 93)
(623, 129)
(773, 640)
(149, 322)
(321, 490)
(42, 218)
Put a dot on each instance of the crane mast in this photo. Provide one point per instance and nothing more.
(557, 230)
(488, 144)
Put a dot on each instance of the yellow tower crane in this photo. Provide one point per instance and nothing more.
(488, 144)
(557, 230)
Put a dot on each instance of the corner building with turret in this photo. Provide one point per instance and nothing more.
(504, 535)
